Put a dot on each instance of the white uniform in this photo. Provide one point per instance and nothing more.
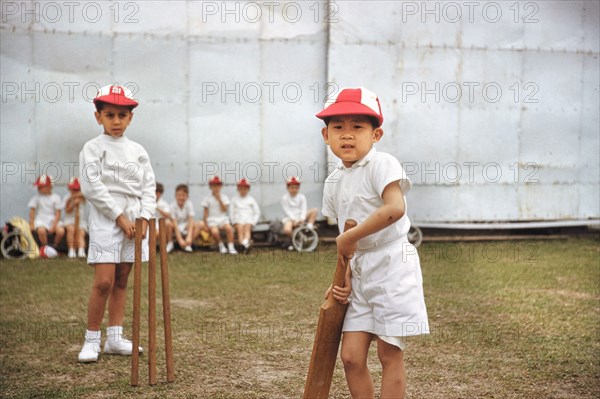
(244, 210)
(163, 206)
(116, 178)
(216, 217)
(181, 215)
(45, 209)
(69, 217)
(387, 286)
(294, 208)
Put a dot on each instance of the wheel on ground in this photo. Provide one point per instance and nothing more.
(305, 239)
(11, 246)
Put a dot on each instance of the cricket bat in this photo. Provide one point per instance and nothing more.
(328, 335)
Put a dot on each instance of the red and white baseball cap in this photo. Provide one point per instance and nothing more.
(293, 180)
(74, 184)
(359, 101)
(243, 183)
(215, 181)
(43, 181)
(117, 95)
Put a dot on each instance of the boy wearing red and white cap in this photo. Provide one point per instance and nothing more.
(75, 199)
(244, 212)
(216, 215)
(295, 208)
(117, 179)
(44, 212)
(384, 285)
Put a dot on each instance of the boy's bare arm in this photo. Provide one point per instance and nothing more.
(392, 210)
(205, 215)
(31, 219)
(55, 222)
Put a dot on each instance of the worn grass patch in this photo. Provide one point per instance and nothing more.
(509, 320)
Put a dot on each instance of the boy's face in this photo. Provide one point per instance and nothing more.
(181, 196)
(114, 118)
(45, 190)
(158, 195)
(293, 189)
(215, 188)
(351, 137)
(243, 190)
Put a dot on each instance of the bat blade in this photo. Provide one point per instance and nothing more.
(327, 337)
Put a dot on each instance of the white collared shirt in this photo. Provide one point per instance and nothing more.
(355, 193)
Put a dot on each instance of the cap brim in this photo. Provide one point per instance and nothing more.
(348, 108)
(116, 100)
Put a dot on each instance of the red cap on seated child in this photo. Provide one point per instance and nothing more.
(74, 184)
(243, 183)
(359, 101)
(43, 181)
(293, 180)
(215, 181)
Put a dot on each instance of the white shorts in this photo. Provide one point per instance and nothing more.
(183, 228)
(387, 293)
(45, 222)
(244, 220)
(217, 221)
(70, 220)
(108, 243)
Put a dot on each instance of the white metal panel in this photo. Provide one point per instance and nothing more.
(517, 159)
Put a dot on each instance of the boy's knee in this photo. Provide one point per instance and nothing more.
(352, 360)
(103, 286)
(389, 355)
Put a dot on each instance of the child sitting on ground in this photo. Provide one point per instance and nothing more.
(216, 218)
(244, 214)
(44, 212)
(182, 210)
(295, 209)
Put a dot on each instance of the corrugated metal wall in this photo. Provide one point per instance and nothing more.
(491, 106)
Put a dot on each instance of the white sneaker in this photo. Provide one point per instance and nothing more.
(81, 253)
(187, 248)
(231, 249)
(170, 247)
(72, 253)
(117, 345)
(89, 353)
(91, 347)
(222, 248)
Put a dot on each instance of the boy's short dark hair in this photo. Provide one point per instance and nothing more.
(100, 105)
(160, 188)
(374, 121)
(182, 187)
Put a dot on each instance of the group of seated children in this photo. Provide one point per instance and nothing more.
(45, 209)
(220, 215)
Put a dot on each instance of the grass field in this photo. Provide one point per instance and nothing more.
(508, 320)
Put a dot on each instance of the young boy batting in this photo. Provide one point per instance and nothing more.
(384, 288)
(118, 180)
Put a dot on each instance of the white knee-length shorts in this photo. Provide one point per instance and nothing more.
(387, 293)
(108, 243)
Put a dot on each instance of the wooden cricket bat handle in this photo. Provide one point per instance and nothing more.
(342, 264)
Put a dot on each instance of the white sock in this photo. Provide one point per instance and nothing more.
(245, 242)
(114, 333)
(309, 225)
(93, 336)
(230, 245)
